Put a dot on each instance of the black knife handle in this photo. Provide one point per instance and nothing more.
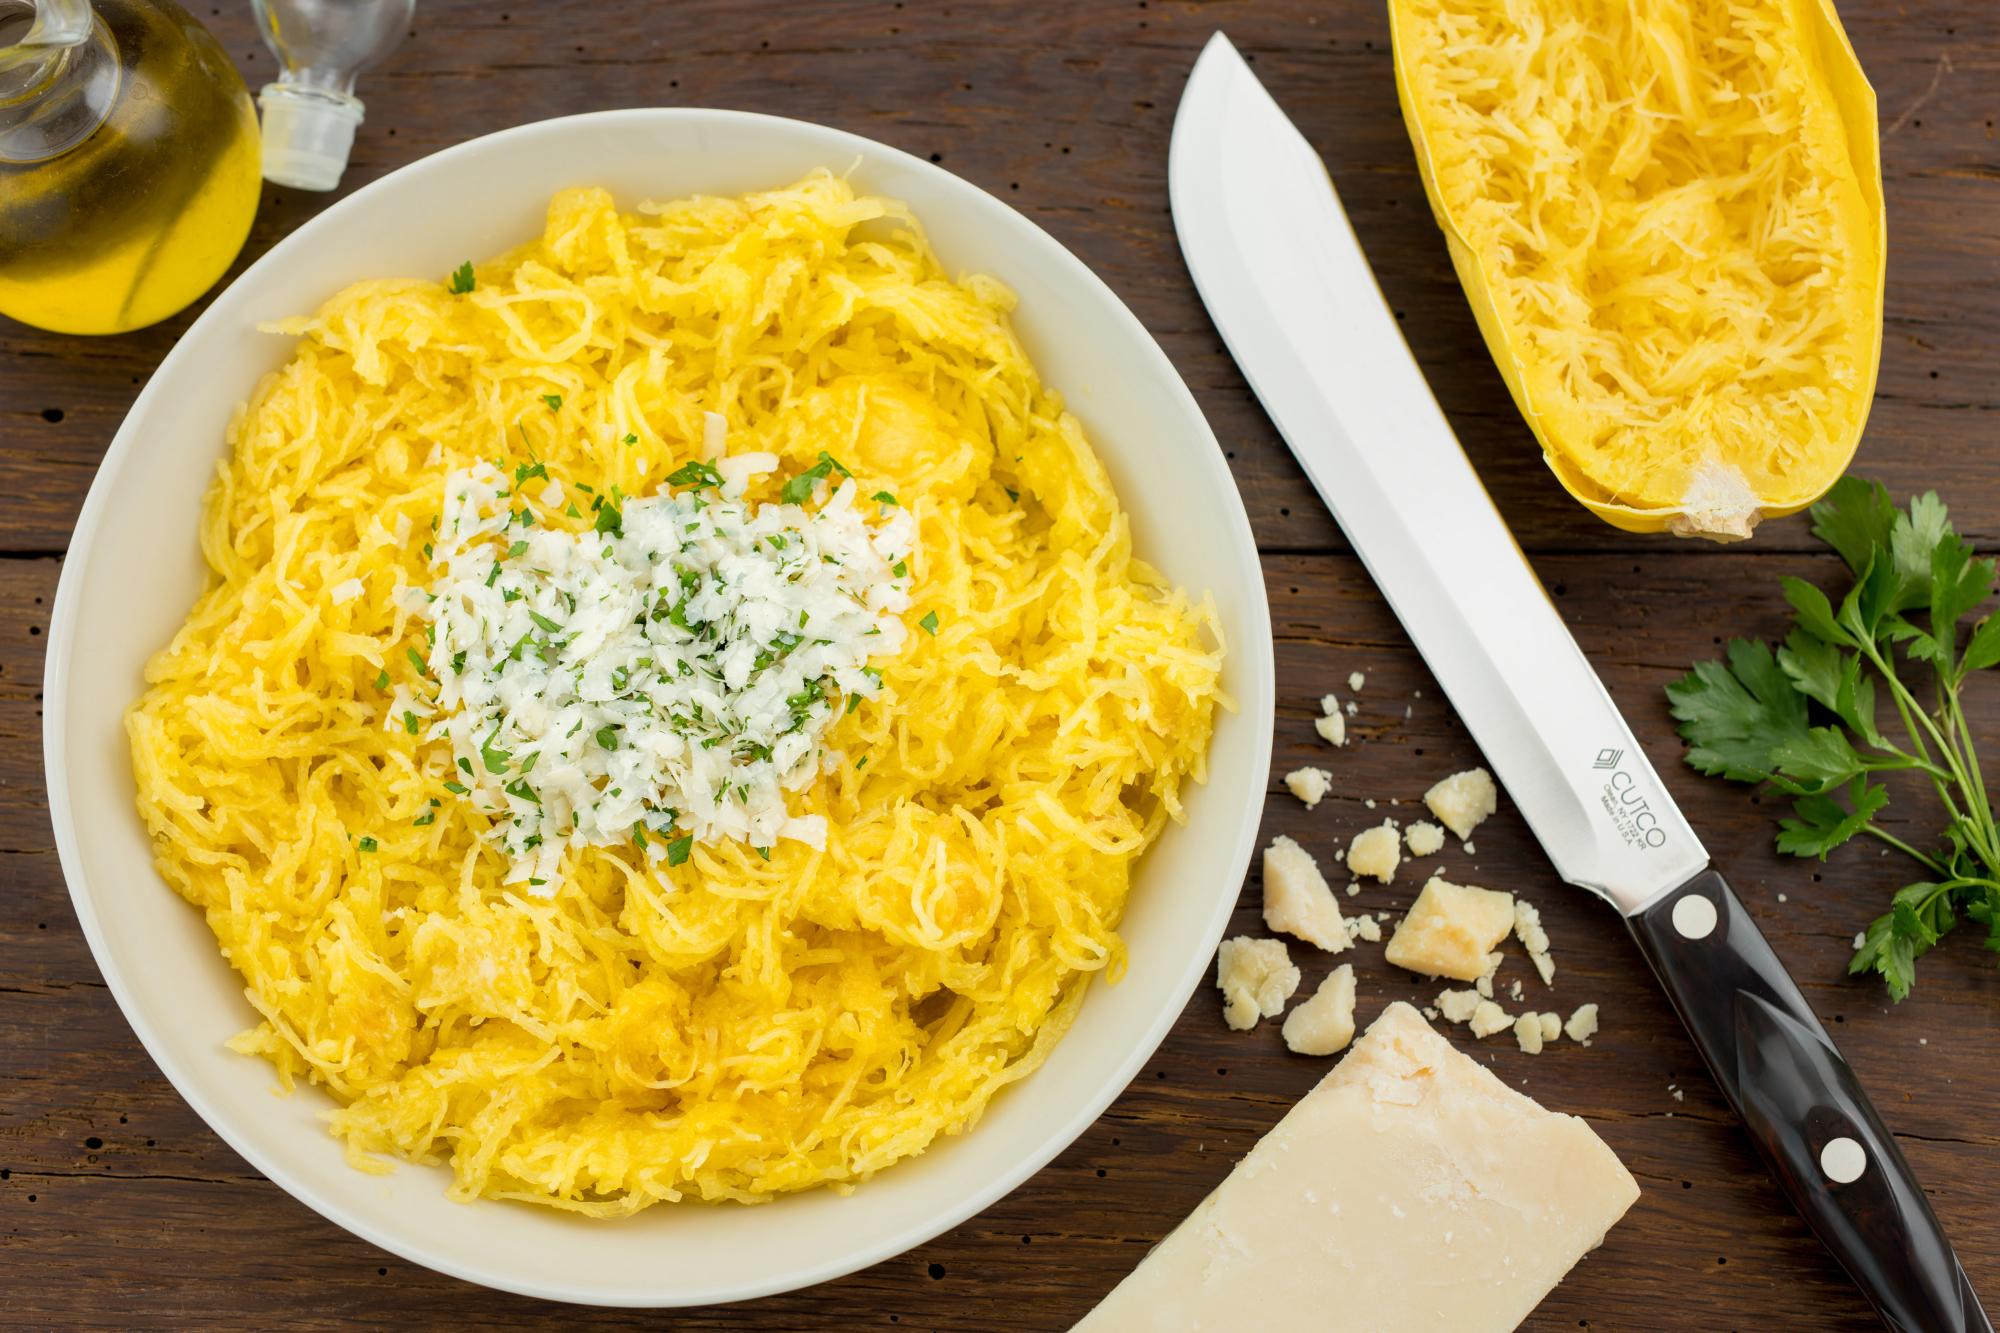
(1807, 1114)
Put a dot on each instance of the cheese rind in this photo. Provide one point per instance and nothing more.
(1411, 1190)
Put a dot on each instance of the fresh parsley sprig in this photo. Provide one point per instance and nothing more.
(1802, 718)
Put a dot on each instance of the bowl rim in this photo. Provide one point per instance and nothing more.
(1251, 676)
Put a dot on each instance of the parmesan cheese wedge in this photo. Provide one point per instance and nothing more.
(1411, 1191)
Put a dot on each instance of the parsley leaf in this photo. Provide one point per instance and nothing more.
(554, 400)
(695, 473)
(930, 623)
(800, 488)
(680, 849)
(461, 279)
(1804, 718)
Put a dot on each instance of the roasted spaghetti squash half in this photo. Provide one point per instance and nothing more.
(1667, 215)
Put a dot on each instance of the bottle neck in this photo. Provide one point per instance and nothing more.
(59, 77)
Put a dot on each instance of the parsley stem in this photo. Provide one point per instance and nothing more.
(1904, 700)
(1955, 719)
(1908, 707)
(1930, 863)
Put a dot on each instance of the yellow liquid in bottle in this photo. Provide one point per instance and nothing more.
(142, 217)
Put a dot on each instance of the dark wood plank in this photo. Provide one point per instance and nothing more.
(1065, 111)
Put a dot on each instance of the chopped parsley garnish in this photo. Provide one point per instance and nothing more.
(930, 623)
(884, 497)
(681, 623)
(800, 488)
(554, 400)
(367, 844)
(461, 279)
(382, 681)
(695, 473)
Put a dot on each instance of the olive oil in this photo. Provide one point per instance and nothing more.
(140, 217)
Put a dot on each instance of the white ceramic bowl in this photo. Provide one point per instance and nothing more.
(133, 570)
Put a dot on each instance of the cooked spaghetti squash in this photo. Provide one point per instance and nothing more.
(1668, 217)
(722, 1017)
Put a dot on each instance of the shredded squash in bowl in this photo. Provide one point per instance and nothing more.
(729, 1020)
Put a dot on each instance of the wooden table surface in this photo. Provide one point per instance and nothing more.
(118, 1206)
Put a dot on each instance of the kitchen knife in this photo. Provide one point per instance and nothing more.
(1283, 277)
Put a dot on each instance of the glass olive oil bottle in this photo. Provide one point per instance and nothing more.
(129, 166)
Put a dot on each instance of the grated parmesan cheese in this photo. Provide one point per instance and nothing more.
(664, 676)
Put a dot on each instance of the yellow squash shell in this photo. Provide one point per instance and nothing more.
(1668, 218)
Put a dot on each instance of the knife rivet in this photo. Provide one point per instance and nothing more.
(1843, 1160)
(1694, 917)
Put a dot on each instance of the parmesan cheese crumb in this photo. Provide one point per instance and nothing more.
(1423, 838)
(1365, 927)
(1324, 1024)
(1331, 725)
(1462, 800)
(343, 593)
(1451, 931)
(1582, 1025)
(1309, 784)
(1256, 978)
(1355, 680)
(1528, 1033)
(1457, 1005)
(1297, 900)
(1552, 1026)
(1528, 929)
(1375, 852)
(1489, 1018)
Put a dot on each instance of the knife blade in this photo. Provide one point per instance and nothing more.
(1285, 280)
